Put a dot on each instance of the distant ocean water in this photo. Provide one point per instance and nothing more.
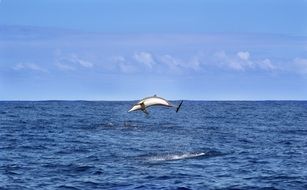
(206, 145)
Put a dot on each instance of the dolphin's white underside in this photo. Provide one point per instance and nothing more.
(150, 101)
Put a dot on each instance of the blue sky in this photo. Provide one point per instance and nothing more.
(124, 50)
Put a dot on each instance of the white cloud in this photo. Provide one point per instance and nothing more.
(75, 59)
(266, 64)
(178, 65)
(29, 66)
(236, 65)
(19, 66)
(243, 55)
(71, 61)
(239, 61)
(64, 66)
(242, 62)
(194, 63)
(145, 58)
(301, 65)
(231, 62)
(118, 59)
(170, 60)
(123, 65)
(172, 63)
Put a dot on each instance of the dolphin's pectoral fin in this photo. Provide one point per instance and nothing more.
(143, 108)
(145, 111)
(142, 105)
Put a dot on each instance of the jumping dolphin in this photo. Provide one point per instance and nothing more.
(153, 101)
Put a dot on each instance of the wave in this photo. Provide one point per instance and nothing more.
(177, 156)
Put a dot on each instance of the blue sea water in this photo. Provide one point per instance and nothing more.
(206, 145)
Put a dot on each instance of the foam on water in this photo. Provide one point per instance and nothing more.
(178, 156)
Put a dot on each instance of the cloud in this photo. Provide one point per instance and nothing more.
(243, 55)
(118, 59)
(161, 63)
(71, 61)
(172, 63)
(231, 62)
(194, 63)
(236, 65)
(301, 65)
(242, 62)
(75, 59)
(123, 65)
(178, 65)
(266, 64)
(145, 58)
(29, 66)
(62, 66)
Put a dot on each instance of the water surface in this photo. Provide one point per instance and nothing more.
(206, 145)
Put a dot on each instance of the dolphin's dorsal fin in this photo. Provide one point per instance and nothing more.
(155, 95)
(177, 109)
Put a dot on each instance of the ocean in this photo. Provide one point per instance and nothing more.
(206, 145)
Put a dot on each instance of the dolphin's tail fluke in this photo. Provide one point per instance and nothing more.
(179, 106)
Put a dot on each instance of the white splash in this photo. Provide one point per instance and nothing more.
(180, 156)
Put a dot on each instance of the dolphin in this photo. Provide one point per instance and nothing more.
(153, 101)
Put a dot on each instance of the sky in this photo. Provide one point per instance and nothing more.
(125, 50)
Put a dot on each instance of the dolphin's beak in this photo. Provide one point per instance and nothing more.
(135, 107)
